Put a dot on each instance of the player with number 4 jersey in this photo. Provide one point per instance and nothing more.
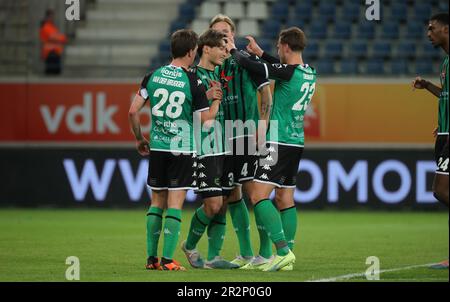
(295, 84)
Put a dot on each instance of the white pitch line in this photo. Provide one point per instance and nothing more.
(350, 276)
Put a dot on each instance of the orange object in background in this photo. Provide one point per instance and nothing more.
(52, 40)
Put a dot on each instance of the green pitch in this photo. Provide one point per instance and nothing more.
(110, 245)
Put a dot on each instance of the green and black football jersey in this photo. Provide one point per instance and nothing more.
(443, 99)
(174, 94)
(240, 99)
(294, 88)
(212, 141)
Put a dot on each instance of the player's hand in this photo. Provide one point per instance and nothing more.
(435, 132)
(230, 44)
(419, 83)
(142, 147)
(214, 93)
(253, 47)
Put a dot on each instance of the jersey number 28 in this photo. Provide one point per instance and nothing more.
(176, 100)
(308, 90)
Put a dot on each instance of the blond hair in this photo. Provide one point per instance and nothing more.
(222, 18)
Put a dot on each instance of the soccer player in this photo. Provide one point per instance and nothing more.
(295, 84)
(211, 156)
(240, 103)
(438, 36)
(175, 96)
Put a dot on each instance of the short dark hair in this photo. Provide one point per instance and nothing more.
(441, 18)
(294, 37)
(182, 41)
(211, 38)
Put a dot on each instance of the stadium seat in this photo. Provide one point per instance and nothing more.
(349, 66)
(375, 67)
(186, 11)
(248, 27)
(235, 10)
(312, 51)
(266, 45)
(280, 11)
(381, 50)
(351, 12)
(318, 30)
(366, 31)
(406, 49)
(342, 31)
(422, 10)
(300, 23)
(177, 24)
(199, 26)
(358, 50)
(257, 10)
(303, 10)
(325, 67)
(209, 9)
(424, 67)
(400, 67)
(271, 29)
(333, 49)
(430, 52)
(327, 10)
(390, 31)
(399, 11)
(164, 46)
(415, 31)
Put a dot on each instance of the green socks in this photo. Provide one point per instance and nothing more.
(216, 235)
(172, 225)
(265, 244)
(241, 223)
(154, 223)
(199, 222)
(270, 218)
(289, 221)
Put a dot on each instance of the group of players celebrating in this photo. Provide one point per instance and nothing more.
(210, 134)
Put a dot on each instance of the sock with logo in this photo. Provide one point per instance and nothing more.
(199, 222)
(289, 221)
(241, 223)
(265, 244)
(271, 220)
(216, 235)
(154, 223)
(172, 226)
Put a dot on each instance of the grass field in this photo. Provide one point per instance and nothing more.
(110, 244)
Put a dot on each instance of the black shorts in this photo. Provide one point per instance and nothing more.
(240, 165)
(441, 154)
(279, 166)
(167, 171)
(212, 179)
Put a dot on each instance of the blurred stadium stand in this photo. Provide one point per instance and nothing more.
(124, 38)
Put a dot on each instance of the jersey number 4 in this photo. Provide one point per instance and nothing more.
(176, 101)
(308, 90)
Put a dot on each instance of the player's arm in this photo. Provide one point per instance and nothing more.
(269, 71)
(135, 124)
(200, 101)
(255, 49)
(420, 83)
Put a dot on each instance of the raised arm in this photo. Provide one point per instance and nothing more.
(420, 83)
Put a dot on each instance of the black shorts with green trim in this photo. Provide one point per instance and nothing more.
(279, 166)
(441, 154)
(167, 171)
(212, 179)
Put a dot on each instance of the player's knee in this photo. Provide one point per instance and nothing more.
(441, 195)
(212, 208)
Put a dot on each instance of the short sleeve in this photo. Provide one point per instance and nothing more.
(198, 91)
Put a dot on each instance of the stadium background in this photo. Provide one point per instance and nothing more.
(69, 168)
(65, 140)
